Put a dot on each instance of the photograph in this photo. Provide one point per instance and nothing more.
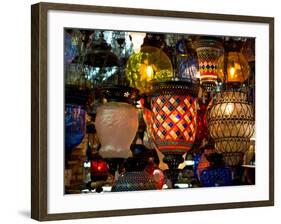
(157, 111)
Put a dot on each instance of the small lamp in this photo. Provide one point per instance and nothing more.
(208, 51)
(75, 126)
(234, 68)
(151, 63)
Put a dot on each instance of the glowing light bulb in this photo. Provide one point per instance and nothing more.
(232, 72)
(229, 109)
(149, 72)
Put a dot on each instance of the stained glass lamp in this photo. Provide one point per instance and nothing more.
(203, 161)
(208, 51)
(70, 48)
(174, 119)
(231, 125)
(212, 170)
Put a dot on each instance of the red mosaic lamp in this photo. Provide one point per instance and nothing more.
(174, 123)
(208, 52)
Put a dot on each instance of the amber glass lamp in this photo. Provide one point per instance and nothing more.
(236, 68)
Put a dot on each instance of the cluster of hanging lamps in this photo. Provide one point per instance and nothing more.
(115, 115)
(172, 96)
(175, 119)
(75, 95)
(231, 119)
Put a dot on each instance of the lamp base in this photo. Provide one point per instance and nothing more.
(173, 161)
(208, 86)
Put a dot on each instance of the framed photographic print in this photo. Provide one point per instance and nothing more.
(139, 111)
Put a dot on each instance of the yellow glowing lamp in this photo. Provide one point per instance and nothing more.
(237, 68)
(149, 64)
(147, 71)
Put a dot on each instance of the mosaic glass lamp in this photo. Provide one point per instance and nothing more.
(135, 178)
(151, 63)
(174, 119)
(208, 52)
(134, 181)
